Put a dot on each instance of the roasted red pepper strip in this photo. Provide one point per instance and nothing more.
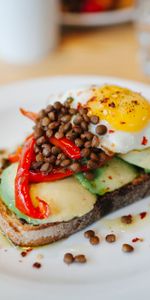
(67, 146)
(36, 177)
(56, 174)
(29, 114)
(22, 196)
(14, 157)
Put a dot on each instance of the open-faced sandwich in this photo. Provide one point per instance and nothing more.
(88, 155)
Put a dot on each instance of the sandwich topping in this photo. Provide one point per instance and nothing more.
(22, 197)
(64, 141)
(93, 136)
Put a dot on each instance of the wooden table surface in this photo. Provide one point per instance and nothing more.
(111, 51)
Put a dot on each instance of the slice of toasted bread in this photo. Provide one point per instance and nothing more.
(24, 234)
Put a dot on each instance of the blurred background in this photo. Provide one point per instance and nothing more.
(60, 37)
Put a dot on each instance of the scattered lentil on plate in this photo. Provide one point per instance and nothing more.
(80, 259)
(127, 219)
(37, 265)
(127, 248)
(110, 238)
(68, 258)
(89, 233)
(94, 240)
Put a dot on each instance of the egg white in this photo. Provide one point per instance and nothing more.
(117, 141)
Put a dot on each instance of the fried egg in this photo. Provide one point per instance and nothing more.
(125, 113)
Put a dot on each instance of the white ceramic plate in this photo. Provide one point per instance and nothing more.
(109, 273)
(98, 19)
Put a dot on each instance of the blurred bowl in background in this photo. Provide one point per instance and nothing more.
(97, 12)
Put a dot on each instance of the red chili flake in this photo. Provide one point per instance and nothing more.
(79, 105)
(111, 131)
(110, 177)
(143, 214)
(137, 240)
(135, 102)
(144, 141)
(105, 100)
(25, 253)
(112, 104)
(37, 265)
(92, 99)
(122, 122)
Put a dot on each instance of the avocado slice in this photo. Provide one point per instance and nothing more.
(115, 174)
(138, 158)
(7, 192)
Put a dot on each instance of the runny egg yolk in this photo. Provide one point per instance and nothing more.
(121, 108)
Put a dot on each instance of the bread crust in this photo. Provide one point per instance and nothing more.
(28, 235)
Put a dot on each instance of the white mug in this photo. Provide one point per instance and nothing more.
(28, 29)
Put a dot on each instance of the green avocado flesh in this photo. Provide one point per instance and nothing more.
(115, 174)
(138, 158)
(7, 192)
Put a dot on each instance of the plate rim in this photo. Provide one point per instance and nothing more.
(72, 76)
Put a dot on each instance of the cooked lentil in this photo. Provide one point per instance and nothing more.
(95, 141)
(49, 133)
(78, 119)
(68, 258)
(57, 105)
(110, 238)
(87, 144)
(85, 152)
(75, 167)
(89, 233)
(126, 219)
(79, 142)
(55, 150)
(47, 151)
(84, 125)
(91, 164)
(80, 259)
(65, 163)
(52, 116)
(45, 121)
(41, 140)
(127, 248)
(94, 119)
(94, 240)
(59, 134)
(101, 129)
(66, 118)
(46, 167)
(93, 156)
(88, 135)
(39, 157)
(37, 265)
